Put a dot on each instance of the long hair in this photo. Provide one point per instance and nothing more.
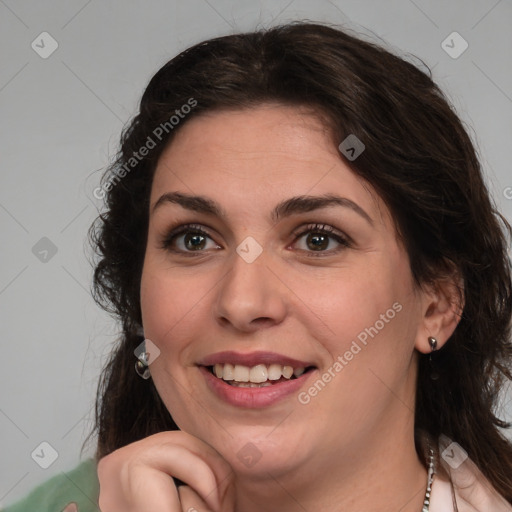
(418, 157)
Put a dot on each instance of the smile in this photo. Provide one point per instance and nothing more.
(252, 395)
(260, 375)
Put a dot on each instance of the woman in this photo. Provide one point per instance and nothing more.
(313, 285)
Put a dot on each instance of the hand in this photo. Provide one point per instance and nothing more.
(138, 477)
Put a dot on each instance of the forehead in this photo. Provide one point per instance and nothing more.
(257, 156)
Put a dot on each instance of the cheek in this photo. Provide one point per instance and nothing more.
(163, 304)
(370, 343)
(153, 301)
(369, 313)
(352, 300)
(173, 303)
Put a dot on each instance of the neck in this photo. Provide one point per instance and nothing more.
(382, 473)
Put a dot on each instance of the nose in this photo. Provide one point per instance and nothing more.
(250, 295)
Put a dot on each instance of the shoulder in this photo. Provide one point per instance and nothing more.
(80, 485)
(473, 491)
(459, 484)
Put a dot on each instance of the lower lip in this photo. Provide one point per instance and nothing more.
(253, 398)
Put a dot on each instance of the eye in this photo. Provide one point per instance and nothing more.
(187, 238)
(190, 238)
(319, 237)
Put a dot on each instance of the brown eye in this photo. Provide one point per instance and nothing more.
(317, 242)
(187, 238)
(194, 241)
(319, 237)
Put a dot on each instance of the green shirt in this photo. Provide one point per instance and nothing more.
(80, 485)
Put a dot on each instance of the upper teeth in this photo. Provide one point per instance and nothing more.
(256, 374)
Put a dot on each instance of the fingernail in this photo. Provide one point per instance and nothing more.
(71, 507)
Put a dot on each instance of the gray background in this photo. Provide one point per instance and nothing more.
(60, 122)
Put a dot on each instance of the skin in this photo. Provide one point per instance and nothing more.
(351, 447)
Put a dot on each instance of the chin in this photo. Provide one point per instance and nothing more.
(256, 452)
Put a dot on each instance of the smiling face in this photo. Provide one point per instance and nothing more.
(343, 301)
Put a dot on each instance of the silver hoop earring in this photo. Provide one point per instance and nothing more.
(142, 364)
(142, 367)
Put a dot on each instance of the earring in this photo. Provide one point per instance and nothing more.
(433, 346)
(142, 365)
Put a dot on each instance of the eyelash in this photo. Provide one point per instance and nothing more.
(325, 229)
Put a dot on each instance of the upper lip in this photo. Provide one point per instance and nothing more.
(252, 359)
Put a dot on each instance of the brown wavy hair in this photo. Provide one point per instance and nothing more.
(418, 157)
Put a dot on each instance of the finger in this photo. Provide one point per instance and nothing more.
(222, 470)
(144, 470)
(140, 488)
(70, 507)
(213, 461)
(182, 463)
(191, 501)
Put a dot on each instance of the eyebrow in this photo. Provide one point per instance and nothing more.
(293, 205)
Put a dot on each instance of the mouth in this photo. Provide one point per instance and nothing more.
(258, 376)
(255, 379)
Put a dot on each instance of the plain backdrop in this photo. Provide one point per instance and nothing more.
(61, 115)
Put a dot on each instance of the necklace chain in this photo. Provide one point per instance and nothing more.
(430, 479)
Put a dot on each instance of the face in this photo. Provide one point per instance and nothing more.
(327, 285)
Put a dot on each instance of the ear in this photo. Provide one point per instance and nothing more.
(441, 308)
